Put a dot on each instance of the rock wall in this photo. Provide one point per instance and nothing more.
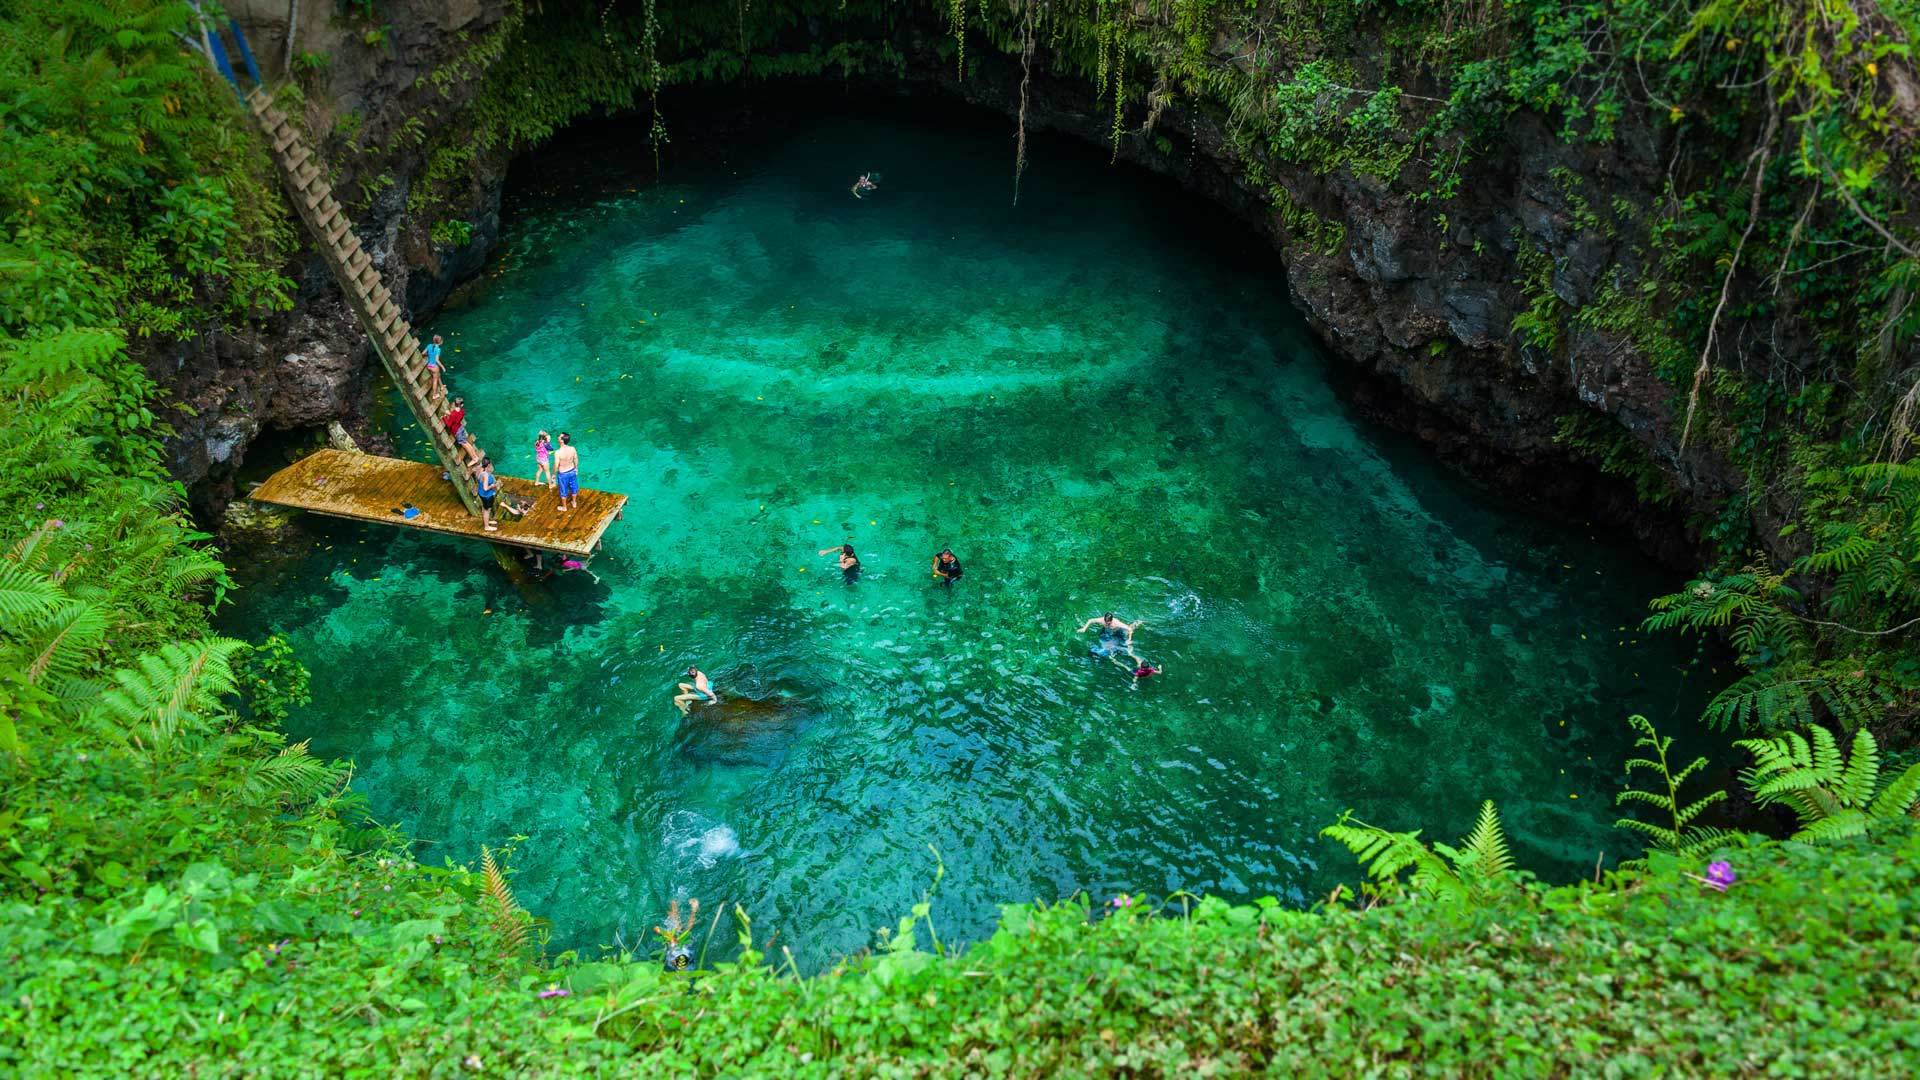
(1424, 312)
(312, 365)
(1421, 306)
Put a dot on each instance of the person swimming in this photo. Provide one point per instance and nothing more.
(865, 183)
(1116, 636)
(946, 567)
(849, 562)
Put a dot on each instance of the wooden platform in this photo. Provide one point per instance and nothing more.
(366, 487)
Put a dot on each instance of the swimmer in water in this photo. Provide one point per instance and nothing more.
(865, 183)
(849, 562)
(946, 567)
(700, 687)
(1115, 636)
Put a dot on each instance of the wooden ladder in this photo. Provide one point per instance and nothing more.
(366, 293)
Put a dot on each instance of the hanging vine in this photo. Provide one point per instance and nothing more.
(652, 75)
(1026, 77)
(957, 23)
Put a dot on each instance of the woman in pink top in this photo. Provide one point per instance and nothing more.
(542, 471)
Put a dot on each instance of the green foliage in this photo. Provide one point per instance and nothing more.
(128, 201)
(273, 681)
(1834, 795)
(1678, 835)
(340, 976)
(1615, 453)
(1479, 868)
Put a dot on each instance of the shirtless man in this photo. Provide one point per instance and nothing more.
(566, 472)
(1115, 635)
(691, 692)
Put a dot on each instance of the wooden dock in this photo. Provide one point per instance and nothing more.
(366, 487)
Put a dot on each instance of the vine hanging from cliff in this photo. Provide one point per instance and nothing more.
(1026, 79)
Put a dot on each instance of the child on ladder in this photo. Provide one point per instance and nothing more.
(432, 353)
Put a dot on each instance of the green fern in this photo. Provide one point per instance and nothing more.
(150, 701)
(1834, 794)
(1479, 868)
(290, 777)
(1680, 834)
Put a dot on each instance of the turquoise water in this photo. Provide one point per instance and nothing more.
(1100, 403)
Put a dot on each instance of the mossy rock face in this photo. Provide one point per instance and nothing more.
(246, 519)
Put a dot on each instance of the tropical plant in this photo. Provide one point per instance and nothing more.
(1679, 835)
(1480, 867)
(1833, 794)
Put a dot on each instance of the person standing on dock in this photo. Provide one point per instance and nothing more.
(432, 352)
(488, 486)
(566, 472)
(542, 469)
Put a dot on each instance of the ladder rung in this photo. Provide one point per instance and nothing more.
(317, 197)
(283, 137)
(298, 156)
(341, 229)
(369, 279)
(382, 321)
(398, 337)
(303, 178)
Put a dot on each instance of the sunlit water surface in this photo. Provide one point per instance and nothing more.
(1100, 405)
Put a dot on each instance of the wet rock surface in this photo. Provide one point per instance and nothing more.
(1421, 305)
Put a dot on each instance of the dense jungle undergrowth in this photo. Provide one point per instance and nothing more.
(181, 889)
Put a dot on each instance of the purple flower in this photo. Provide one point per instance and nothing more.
(1120, 901)
(1720, 875)
(553, 990)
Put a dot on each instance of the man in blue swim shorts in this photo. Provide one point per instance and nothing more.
(566, 472)
(1115, 636)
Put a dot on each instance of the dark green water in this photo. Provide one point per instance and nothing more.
(1100, 405)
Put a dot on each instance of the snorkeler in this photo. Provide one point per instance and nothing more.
(1115, 635)
(694, 691)
(865, 183)
(849, 562)
(946, 567)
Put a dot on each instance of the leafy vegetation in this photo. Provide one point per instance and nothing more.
(182, 890)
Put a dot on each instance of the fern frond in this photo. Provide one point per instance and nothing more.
(1844, 824)
(1828, 763)
(167, 687)
(508, 924)
(292, 775)
(1898, 797)
(1684, 815)
(1486, 845)
(24, 595)
(60, 645)
(1856, 783)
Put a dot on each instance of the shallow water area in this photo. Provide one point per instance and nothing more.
(1101, 403)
